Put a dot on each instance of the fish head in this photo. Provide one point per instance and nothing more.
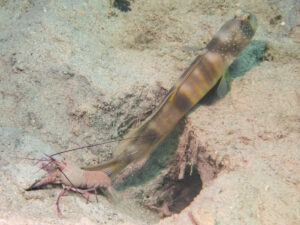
(234, 35)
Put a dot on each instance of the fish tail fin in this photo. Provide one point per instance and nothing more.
(110, 168)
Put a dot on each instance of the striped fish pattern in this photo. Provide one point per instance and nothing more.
(202, 75)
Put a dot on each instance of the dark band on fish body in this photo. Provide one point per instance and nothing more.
(209, 70)
(217, 45)
(199, 79)
(182, 102)
(151, 136)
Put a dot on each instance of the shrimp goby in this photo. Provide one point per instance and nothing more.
(73, 179)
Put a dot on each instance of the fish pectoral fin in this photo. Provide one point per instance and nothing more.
(223, 86)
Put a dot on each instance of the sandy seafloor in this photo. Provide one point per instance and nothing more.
(74, 73)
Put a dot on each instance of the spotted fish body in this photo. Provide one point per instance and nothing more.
(193, 85)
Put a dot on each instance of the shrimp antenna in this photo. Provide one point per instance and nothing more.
(102, 143)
